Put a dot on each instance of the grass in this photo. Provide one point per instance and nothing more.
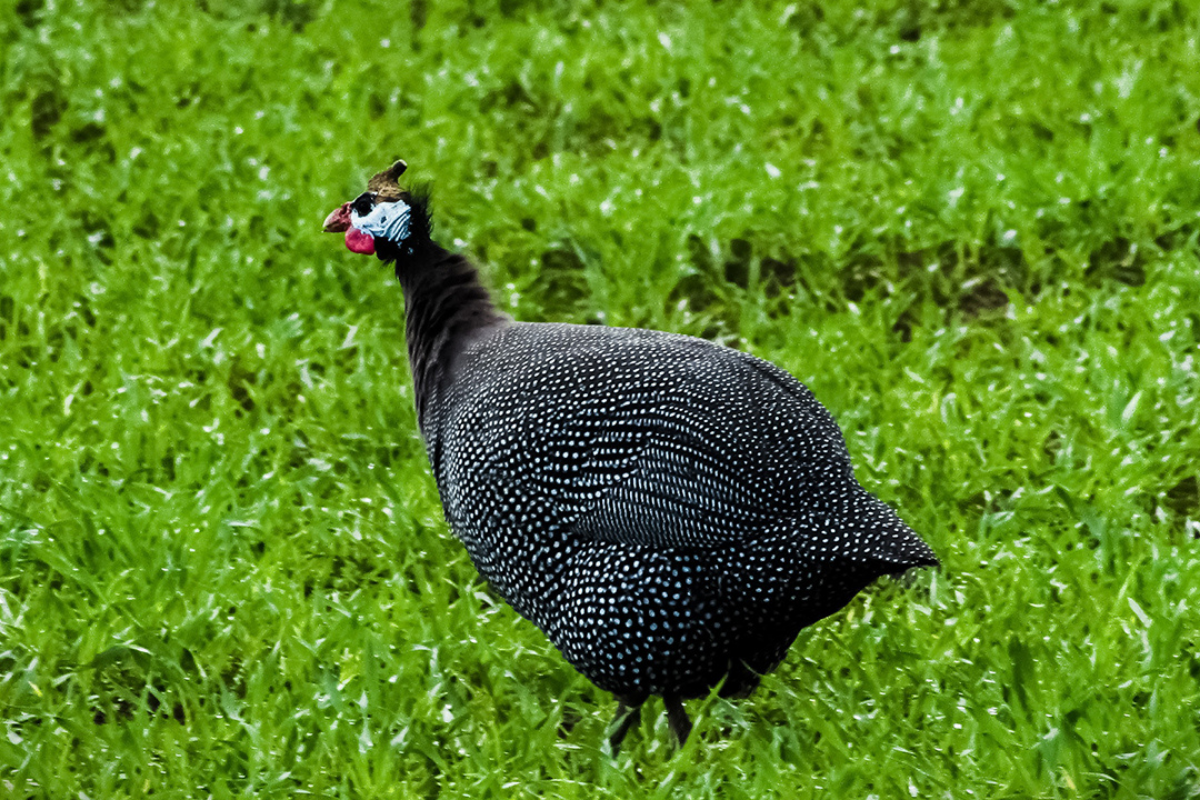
(970, 227)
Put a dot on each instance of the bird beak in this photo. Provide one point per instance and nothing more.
(339, 220)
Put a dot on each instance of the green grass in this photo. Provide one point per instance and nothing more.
(970, 227)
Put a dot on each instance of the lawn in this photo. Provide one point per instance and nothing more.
(972, 227)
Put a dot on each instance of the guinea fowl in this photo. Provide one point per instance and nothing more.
(669, 512)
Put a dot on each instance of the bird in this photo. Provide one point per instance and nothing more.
(668, 511)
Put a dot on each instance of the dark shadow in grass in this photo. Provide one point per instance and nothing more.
(129, 679)
(703, 291)
(47, 109)
(1184, 500)
(974, 280)
(241, 384)
(970, 279)
(561, 292)
(30, 12)
(1119, 260)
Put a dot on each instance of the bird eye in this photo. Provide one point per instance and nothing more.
(363, 204)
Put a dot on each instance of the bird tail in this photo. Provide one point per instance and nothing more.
(889, 543)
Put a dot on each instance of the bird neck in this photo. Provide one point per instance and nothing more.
(445, 306)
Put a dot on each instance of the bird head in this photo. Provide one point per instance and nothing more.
(385, 219)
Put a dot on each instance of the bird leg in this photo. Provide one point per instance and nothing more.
(627, 716)
(677, 718)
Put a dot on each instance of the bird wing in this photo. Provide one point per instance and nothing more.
(636, 437)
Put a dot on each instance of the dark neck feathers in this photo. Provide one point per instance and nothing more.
(445, 306)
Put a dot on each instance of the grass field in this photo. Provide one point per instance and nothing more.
(970, 226)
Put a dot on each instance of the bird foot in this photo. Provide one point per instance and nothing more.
(677, 718)
(627, 716)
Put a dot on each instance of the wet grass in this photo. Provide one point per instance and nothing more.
(971, 228)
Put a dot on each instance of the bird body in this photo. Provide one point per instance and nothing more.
(681, 505)
(668, 511)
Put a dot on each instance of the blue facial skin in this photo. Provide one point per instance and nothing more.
(388, 221)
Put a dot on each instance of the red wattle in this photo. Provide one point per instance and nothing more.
(360, 242)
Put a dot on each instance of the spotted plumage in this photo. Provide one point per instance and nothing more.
(670, 512)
